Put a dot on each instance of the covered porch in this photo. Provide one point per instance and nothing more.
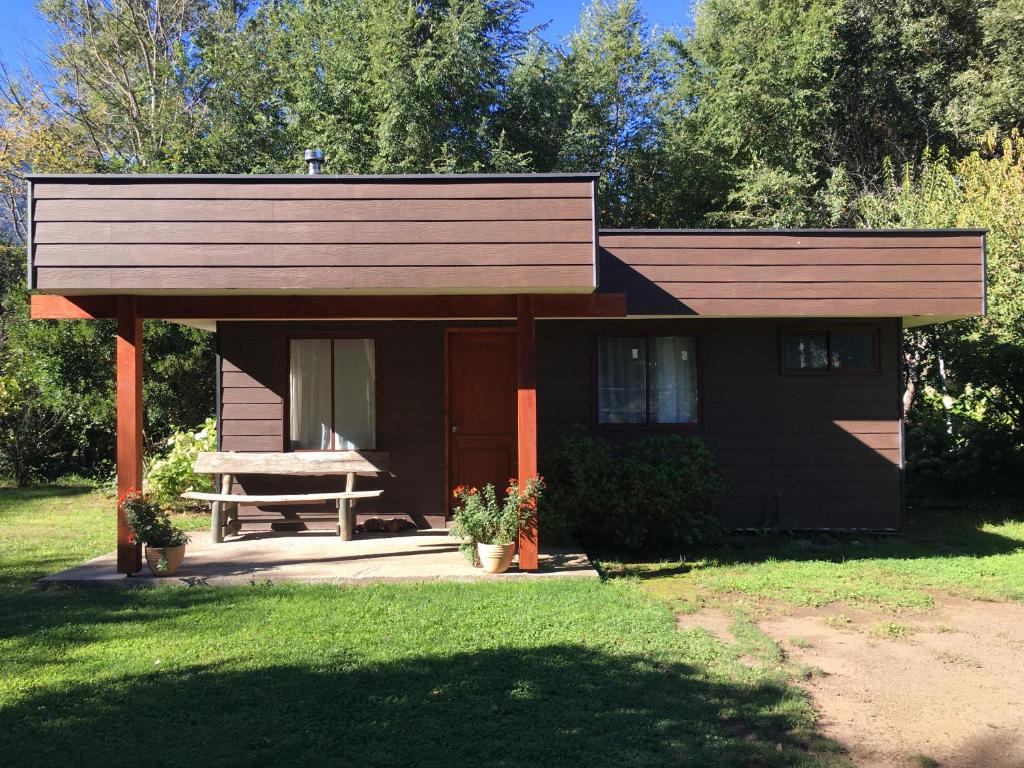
(311, 555)
(319, 557)
(274, 263)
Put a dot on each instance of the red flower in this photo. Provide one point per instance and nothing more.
(130, 495)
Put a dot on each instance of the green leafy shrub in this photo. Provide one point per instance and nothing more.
(481, 518)
(584, 486)
(656, 492)
(674, 488)
(171, 475)
(582, 481)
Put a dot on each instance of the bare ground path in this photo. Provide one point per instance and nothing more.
(943, 687)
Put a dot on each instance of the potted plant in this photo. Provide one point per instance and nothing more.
(165, 543)
(489, 528)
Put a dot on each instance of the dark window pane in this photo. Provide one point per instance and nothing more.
(853, 350)
(621, 381)
(805, 351)
(673, 380)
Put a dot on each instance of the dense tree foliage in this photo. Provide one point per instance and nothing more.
(764, 113)
(965, 380)
(394, 87)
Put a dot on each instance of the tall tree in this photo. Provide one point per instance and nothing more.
(990, 92)
(151, 83)
(591, 104)
(965, 380)
(896, 64)
(789, 104)
(138, 86)
(749, 108)
(396, 86)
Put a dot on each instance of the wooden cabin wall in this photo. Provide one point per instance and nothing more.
(800, 451)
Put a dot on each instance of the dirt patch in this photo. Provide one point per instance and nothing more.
(945, 686)
(713, 620)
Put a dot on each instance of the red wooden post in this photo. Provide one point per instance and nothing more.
(527, 421)
(129, 423)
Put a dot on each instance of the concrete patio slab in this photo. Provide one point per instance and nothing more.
(319, 557)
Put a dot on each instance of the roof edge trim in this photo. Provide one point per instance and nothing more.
(826, 231)
(251, 178)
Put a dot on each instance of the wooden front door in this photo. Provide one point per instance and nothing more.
(481, 408)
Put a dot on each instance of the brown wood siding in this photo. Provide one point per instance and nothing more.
(799, 451)
(410, 418)
(816, 274)
(414, 235)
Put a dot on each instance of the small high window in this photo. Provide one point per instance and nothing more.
(646, 380)
(830, 351)
(332, 401)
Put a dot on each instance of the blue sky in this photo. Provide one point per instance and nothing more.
(563, 14)
(23, 33)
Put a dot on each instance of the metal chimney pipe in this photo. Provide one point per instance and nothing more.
(314, 158)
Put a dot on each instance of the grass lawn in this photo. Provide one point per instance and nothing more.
(535, 673)
(975, 551)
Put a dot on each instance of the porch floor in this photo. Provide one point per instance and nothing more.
(319, 557)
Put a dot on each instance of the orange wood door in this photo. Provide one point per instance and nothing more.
(481, 408)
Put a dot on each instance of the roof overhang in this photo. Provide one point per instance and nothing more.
(208, 234)
(230, 238)
(920, 275)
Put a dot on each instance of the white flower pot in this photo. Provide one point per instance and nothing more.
(495, 558)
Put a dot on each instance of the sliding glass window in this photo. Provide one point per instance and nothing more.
(332, 394)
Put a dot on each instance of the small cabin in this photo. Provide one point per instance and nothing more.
(461, 323)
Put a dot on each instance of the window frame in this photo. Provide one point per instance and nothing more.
(828, 331)
(287, 399)
(647, 426)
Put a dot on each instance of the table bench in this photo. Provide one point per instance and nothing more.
(224, 518)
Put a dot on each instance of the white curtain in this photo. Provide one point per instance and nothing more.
(673, 380)
(309, 414)
(621, 380)
(355, 410)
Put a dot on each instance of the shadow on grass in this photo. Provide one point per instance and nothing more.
(558, 705)
(12, 494)
(934, 530)
(79, 615)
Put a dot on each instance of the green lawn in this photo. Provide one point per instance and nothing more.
(975, 551)
(536, 673)
(53, 527)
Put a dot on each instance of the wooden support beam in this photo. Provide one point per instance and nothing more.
(305, 307)
(46, 307)
(129, 424)
(527, 418)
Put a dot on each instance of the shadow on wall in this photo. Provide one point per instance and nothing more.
(643, 295)
(556, 705)
(802, 451)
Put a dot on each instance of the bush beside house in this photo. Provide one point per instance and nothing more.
(656, 492)
(170, 475)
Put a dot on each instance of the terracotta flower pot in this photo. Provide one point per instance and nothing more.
(495, 558)
(173, 556)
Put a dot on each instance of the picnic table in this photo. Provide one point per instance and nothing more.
(224, 519)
